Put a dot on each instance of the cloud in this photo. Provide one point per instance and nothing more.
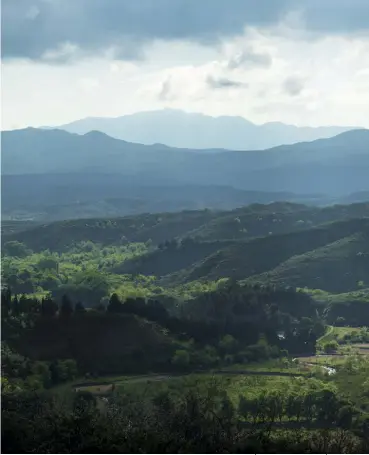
(32, 12)
(223, 82)
(332, 69)
(165, 91)
(250, 57)
(123, 27)
(293, 85)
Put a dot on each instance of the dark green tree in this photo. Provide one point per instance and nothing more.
(114, 305)
(66, 307)
(49, 307)
(79, 308)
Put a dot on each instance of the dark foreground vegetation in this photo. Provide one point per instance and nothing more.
(197, 421)
(47, 347)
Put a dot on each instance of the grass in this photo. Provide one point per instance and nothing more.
(336, 334)
(99, 389)
(235, 384)
(272, 366)
(329, 361)
(360, 295)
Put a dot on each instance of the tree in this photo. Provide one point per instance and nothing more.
(345, 416)
(16, 249)
(79, 308)
(114, 305)
(48, 263)
(84, 402)
(327, 405)
(244, 407)
(63, 370)
(49, 307)
(66, 308)
(15, 306)
(41, 369)
(330, 346)
(181, 358)
(6, 302)
(228, 344)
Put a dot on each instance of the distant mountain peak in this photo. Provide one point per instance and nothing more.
(96, 134)
(177, 128)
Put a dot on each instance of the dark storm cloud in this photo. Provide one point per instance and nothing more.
(32, 27)
(223, 82)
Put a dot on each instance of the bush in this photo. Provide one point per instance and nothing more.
(330, 346)
(181, 358)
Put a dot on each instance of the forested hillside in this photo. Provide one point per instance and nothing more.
(96, 311)
(282, 244)
(52, 197)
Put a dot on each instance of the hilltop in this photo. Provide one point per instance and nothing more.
(191, 130)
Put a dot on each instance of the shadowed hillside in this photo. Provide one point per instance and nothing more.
(244, 259)
(334, 166)
(247, 222)
(336, 267)
(280, 243)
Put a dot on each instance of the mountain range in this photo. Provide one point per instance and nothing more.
(177, 128)
(52, 175)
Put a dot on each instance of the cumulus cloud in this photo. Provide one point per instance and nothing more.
(331, 86)
(293, 85)
(165, 90)
(122, 27)
(224, 82)
(250, 57)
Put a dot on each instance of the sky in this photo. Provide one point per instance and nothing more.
(302, 62)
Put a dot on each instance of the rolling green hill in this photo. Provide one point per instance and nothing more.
(159, 227)
(336, 267)
(281, 243)
(259, 220)
(256, 220)
(245, 259)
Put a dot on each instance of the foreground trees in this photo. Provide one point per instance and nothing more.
(194, 422)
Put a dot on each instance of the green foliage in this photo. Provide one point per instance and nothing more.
(83, 273)
(192, 415)
(330, 346)
(16, 249)
(181, 358)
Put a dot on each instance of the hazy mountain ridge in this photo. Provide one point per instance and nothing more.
(337, 166)
(177, 128)
(51, 197)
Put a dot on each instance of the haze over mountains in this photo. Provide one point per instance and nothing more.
(177, 128)
(53, 174)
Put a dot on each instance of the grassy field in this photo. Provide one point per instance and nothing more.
(239, 379)
(329, 360)
(336, 334)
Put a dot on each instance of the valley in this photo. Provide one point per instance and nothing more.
(138, 302)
